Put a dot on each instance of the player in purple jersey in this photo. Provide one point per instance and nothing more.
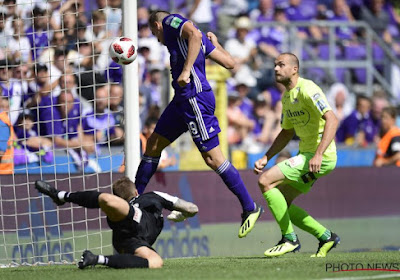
(193, 107)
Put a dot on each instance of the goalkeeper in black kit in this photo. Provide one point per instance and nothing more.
(136, 221)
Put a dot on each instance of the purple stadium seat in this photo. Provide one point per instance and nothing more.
(377, 53)
(357, 52)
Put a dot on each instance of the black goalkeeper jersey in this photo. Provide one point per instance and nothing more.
(144, 221)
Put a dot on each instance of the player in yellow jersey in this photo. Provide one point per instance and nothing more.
(306, 112)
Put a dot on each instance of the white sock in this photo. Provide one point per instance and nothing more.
(101, 259)
(61, 195)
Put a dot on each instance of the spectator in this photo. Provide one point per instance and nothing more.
(228, 12)
(201, 14)
(114, 16)
(114, 73)
(69, 27)
(86, 57)
(144, 105)
(11, 14)
(243, 50)
(342, 12)
(62, 125)
(298, 12)
(266, 124)
(273, 39)
(377, 18)
(59, 64)
(96, 31)
(6, 140)
(357, 129)
(3, 37)
(264, 12)
(58, 7)
(143, 14)
(243, 88)
(18, 44)
(154, 85)
(99, 124)
(38, 33)
(388, 150)
(155, 4)
(378, 102)
(38, 89)
(58, 42)
(29, 140)
(340, 100)
(157, 52)
(63, 80)
(81, 34)
(11, 89)
(239, 124)
(87, 82)
(67, 82)
(116, 104)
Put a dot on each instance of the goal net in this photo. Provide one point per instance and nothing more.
(61, 120)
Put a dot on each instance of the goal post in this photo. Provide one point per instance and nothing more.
(131, 97)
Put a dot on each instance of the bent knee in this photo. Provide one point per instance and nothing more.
(264, 183)
(213, 161)
(156, 262)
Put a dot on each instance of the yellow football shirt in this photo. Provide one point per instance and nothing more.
(302, 109)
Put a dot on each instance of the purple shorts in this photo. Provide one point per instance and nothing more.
(195, 114)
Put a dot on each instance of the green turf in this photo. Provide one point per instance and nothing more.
(290, 266)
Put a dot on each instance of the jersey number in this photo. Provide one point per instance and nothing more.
(193, 128)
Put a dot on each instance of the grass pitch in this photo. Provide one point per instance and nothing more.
(290, 266)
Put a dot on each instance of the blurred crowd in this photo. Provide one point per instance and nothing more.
(62, 90)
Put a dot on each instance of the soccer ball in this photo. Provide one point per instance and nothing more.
(123, 51)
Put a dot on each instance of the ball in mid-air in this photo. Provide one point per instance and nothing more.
(123, 51)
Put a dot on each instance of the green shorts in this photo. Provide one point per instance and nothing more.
(297, 173)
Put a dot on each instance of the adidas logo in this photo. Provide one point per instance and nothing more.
(276, 248)
(245, 226)
(211, 130)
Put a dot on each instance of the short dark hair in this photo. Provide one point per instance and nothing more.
(25, 116)
(362, 97)
(41, 67)
(38, 11)
(391, 111)
(157, 16)
(60, 52)
(124, 188)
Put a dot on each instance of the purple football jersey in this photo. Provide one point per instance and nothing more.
(38, 40)
(178, 49)
(104, 122)
(55, 124)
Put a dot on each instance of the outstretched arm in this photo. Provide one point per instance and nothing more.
(219, 54)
